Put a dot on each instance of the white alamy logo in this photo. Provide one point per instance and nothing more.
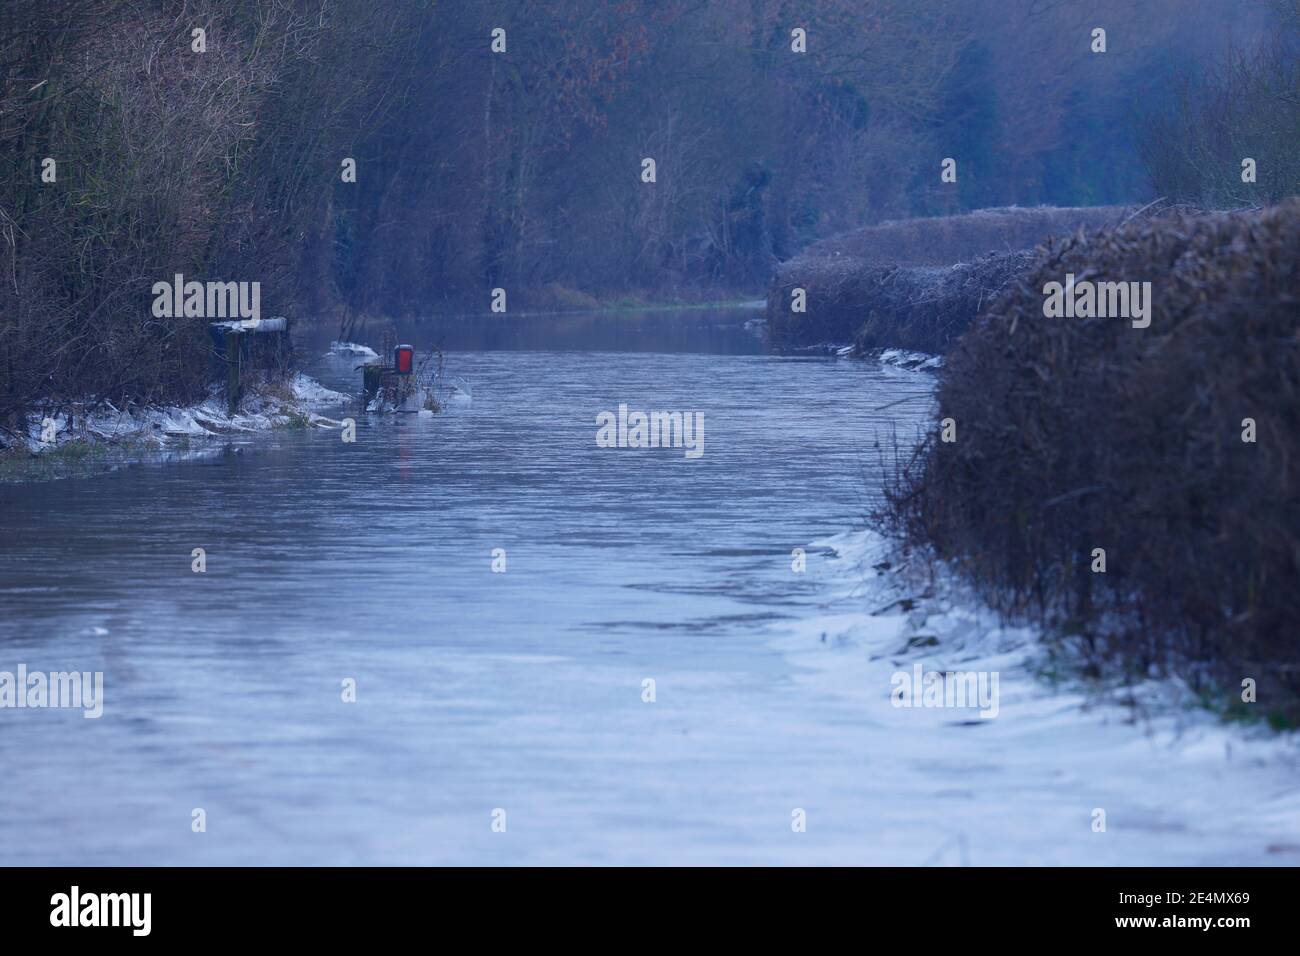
(651, 430)
(207, 300)
(1098, 300)
(57, 689)
(102, 909)
(963, 689)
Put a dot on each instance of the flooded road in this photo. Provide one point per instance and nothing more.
(476, 690)
(479, 637)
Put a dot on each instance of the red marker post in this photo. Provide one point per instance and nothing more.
(403, 359)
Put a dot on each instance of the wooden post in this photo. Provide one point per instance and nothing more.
(233, 345)
(370, 381)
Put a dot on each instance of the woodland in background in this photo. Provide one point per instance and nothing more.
(521, 170)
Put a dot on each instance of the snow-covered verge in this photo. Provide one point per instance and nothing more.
(352, 350)
(140, 432)
(906, 358)
(895, 358)
(1048, 769)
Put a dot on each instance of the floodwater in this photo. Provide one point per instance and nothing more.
(476, 690)
(503, 716)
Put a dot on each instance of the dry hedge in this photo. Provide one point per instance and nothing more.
(914, 307)
(1075, 434)
(927, 309)
(943, 240)
(915, 283)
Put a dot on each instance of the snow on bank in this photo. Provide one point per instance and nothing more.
(895, 358)
(352, 350)
(1025, 783)
(312, 394)
(905, 358)
(158, 426)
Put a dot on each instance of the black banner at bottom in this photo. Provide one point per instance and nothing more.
(336, 905)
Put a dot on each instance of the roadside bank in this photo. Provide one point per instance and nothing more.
(72, 439)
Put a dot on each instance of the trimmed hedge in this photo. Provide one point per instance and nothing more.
(1074, 434)
(924, 308)
(915, 283)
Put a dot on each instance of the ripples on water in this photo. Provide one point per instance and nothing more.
(476, 690)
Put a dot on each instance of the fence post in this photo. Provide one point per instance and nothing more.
(233, 348)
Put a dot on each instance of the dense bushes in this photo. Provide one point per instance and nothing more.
(1077, 434)
(944, 306)
(923, 308)
(908, 284)
(128, 156)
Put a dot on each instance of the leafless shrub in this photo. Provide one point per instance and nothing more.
(1246, 106)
